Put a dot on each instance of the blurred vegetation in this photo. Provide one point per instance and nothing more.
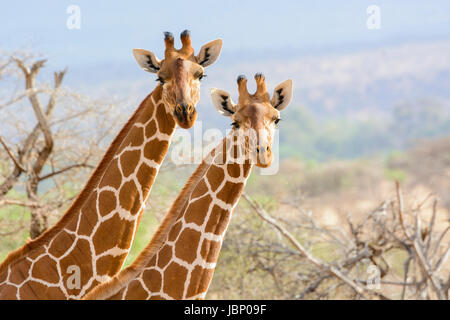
(315, 137)
(255, 264)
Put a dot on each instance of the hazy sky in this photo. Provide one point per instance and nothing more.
(110, 29)
(339, 66)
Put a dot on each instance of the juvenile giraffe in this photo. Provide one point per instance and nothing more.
(90, 242)
(179, 261)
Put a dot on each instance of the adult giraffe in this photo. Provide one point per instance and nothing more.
(90, 242)
(179, 261)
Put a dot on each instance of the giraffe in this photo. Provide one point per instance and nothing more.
(179, 261)
(89, 244)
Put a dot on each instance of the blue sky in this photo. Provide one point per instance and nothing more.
(109, 30)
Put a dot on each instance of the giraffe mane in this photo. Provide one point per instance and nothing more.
(82, 196)
(113, 285)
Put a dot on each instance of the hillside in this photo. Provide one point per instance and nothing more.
(345, 105)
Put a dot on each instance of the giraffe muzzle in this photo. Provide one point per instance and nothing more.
(264, 156)
(185, 115)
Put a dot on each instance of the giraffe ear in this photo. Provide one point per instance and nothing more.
(282, 95)
(222, 102)
(147, 60)
(209, 53)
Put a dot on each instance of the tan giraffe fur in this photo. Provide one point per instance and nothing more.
(96, 232)
(179, 261)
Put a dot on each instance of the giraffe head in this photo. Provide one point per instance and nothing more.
(255, 116)
(180, 74)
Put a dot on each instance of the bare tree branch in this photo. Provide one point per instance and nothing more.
(28, 204)
(10, 154)
(57, 172)
(415, 245)
(364, 292)
(21, 96)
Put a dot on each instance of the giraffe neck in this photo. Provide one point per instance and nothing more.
(183, 265)
(94, 236)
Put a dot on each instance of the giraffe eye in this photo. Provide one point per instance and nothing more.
(200, 77)
(235, 125)
(161, 80)
(276, 121)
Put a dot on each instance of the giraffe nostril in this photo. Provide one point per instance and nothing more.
(257, 149)
(179, 108)
(190, 109)
(267, 148)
